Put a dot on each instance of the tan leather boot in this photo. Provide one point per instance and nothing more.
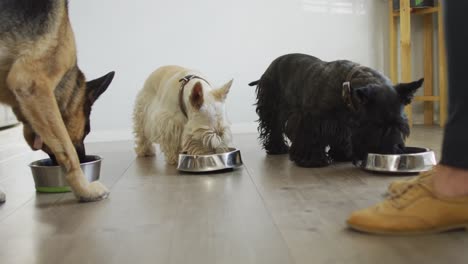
(416, 210)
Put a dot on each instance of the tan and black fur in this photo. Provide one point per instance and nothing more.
(41, 81)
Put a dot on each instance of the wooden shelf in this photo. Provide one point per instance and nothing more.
(419, 11)
(400, 20)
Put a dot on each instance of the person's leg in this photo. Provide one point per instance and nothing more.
(451, 178)
(450, 181)
(438, 201)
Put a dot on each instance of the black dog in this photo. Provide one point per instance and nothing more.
(335, 110)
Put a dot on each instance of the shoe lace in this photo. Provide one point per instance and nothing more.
(419, 179)
(408, 193)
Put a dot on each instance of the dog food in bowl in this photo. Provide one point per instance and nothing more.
(414, 160)
(50, 178)
(214, 162)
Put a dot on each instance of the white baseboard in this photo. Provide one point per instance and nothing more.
(126, 134)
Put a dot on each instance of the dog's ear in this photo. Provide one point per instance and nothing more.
(406, 91)
(96, 87)
(363, 94)
(196, 96)
(220, 94)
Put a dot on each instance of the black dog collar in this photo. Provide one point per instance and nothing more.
(347, 93)
(184, 82)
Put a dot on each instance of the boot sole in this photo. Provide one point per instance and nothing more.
(459, 227)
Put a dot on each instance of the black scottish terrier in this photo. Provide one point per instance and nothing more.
(329, 111)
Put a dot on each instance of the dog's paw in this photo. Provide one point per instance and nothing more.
(145, 151)
(313, 162)
(95, 191)
(2, 197)
(340, 158)
(146, 154)
(277, 150)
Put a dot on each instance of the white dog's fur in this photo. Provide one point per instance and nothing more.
(158, 118)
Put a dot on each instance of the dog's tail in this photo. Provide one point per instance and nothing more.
(254, 83)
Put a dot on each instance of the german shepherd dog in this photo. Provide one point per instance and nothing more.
(41, 81)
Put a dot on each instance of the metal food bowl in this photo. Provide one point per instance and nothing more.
(414, 160)
(50, 178)
(206, 163)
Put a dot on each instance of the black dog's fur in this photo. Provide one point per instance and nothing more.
(300, 96)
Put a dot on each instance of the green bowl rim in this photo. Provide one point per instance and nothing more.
(53, 189)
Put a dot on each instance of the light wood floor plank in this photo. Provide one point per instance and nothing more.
(270, 211)
(310, 207)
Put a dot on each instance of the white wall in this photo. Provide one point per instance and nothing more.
(224, 39)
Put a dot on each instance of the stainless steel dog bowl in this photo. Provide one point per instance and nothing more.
(206, 163)
(413, 161)
(51, 178)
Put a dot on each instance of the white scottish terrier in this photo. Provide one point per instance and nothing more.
(179, 110)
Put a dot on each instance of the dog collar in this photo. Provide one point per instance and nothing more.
(184, 82)
(346, 92)
(347, 96)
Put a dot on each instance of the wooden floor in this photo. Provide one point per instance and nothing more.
(269, 211)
